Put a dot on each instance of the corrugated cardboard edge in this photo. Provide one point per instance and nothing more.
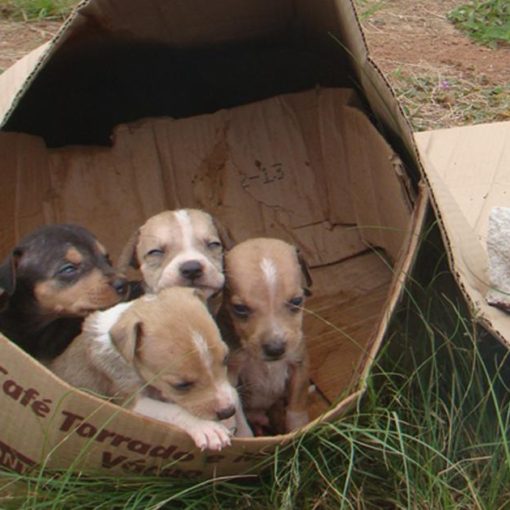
(380, 94)
(397, 287)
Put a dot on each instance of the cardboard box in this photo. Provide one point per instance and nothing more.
(248, 110)
(467, 172)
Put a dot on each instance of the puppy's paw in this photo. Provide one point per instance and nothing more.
(210, 435)
(295, 420)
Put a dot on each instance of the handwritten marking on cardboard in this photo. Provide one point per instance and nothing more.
(264, 174)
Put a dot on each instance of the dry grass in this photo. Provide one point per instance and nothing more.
(435, 97)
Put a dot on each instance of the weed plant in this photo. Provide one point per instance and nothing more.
(36, 10)
(487, 22)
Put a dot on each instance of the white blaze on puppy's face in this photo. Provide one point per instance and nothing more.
(270, 275)
(181, 248)
(202, 349)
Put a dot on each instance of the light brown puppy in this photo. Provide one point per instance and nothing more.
(178, 248)
(264, 296)
(162, 356)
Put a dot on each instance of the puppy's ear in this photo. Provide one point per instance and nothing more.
(306, 272)
(8, 277)
(224, 234)
(128, 255)
(127, 338)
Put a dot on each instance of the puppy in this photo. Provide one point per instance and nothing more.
(178, 248)
(262, 321)
(52, 279)
(162, 356)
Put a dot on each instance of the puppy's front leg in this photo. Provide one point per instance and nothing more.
(206, 434)
(296, 415)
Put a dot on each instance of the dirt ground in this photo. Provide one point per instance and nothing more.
(411, 33)
(441, 77)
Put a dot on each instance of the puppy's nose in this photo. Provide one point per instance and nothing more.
(120, 285)
(191, 269)
(274, 348)
(226, 413)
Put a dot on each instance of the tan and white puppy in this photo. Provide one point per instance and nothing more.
(162, 356)
(178, 248)
(263, 300)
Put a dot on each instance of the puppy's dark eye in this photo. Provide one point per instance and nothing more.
(157, 252)
(183, 386)
(67, 269)
(226, 359)
(295, 303)
(242, 311)
(214, 245)
(107, 259)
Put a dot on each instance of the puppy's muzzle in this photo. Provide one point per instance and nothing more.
(227, 412)
(191, 270)
(274, 348)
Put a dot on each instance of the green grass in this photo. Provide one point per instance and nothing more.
(430, 433)
(367, 8)
(487, 22)
(36, 10)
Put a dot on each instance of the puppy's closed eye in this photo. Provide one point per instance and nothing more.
(183, 386)
(156, 252)
(67, 271)
(241, 311)
(214, 245)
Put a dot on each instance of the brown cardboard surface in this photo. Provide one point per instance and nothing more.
(263, 133)
(467, 169)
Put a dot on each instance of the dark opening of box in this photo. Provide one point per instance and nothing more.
(92, 84)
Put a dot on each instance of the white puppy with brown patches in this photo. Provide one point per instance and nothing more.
(262, 322)
(178, 248)
(163, 357)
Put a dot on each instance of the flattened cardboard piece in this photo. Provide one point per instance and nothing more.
(467, 169)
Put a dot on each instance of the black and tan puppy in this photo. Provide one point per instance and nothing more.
(50, 281)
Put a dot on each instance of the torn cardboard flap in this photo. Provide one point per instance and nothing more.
(467, 169)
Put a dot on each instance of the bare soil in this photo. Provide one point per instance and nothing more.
(410, 33)
(19, 38)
